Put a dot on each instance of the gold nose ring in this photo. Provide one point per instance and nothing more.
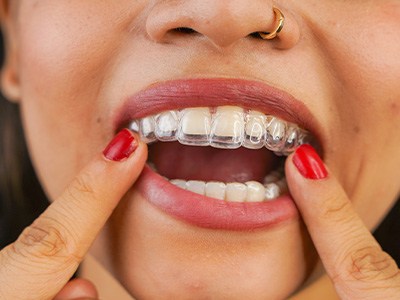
(280, 21)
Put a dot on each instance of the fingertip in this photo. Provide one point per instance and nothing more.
(308, 163)
(292, 175)
(307, 177)
(78, 289)
(313, 188)
(122, 146)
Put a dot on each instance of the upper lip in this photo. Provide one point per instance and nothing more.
(213, 92)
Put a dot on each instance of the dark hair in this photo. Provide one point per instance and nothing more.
(22, 198)
(388, 233)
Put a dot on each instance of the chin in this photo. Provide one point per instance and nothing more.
(157, 256)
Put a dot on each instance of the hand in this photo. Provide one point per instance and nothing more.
(353, 259)
(47, 253)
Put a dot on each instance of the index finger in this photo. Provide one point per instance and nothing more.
(49, 251)
(352, 257)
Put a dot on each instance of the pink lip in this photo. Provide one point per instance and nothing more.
(200, 210)
(206, 92)
(207, 212)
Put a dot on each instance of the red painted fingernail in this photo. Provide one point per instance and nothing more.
(308, 162)
(121, 147)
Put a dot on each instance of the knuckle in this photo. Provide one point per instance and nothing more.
(371, 264)
(46, 238)
(366, 271)
(336, 210)
(81, 187)
(84, 183)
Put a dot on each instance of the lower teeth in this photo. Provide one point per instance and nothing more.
(251, 191)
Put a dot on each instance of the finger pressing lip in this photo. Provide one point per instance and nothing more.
(48, 252)
(347, 249)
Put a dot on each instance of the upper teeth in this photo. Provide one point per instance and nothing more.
(227, 127)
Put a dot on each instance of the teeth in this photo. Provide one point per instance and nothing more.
(167, 125)
(216, 190)
(282, 185)
(273, 176)
(134, 126)
(236, 192)
(198, 187)
(255, 191)
(195, 127)
(276, 131)
(251, 191)
(272, 191)
(179, 183)
(255, 130)
(227, 127)
(147, 129)
(291, 140)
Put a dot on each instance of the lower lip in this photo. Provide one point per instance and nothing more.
(211, 213)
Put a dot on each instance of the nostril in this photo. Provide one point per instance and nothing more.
(184, 30)
(255, 35)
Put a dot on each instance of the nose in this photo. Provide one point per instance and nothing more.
(222, 22)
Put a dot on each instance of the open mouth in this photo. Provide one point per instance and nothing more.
(226, 153)
(217, 148)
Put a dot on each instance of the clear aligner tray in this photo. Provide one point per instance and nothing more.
(224, 127)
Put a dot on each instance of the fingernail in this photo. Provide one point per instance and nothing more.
(308, 162)
(121, 147)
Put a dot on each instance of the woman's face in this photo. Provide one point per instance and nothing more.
(74, 65)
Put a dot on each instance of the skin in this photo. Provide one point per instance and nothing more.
(343, 61)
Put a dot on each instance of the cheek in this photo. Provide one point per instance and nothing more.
(373, 64)
(62, 73)
(63, 50)
(362, 44)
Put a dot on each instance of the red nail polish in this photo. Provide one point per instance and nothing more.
(121, 147)
(308, 162)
